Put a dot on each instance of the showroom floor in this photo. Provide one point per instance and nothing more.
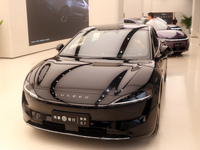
(180, 114)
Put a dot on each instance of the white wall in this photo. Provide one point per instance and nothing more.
(14, 39)
(106, 12)
(196, 19)
(180, 7)
(184, 6)
(5, 34)
(135, 8)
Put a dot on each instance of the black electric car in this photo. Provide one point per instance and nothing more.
(106, 83)
(171, 34)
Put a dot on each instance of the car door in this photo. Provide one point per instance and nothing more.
(161, 62)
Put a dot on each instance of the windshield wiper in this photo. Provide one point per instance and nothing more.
(75, 57)
(109, 58)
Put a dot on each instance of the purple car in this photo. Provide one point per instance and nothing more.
(175, 39)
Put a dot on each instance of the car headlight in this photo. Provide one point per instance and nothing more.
(134, 97)
(29, 88)
(174, 40)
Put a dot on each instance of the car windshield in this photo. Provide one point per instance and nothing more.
(161, 24)
(109, 44)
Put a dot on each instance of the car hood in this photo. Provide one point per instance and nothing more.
(171, 34)
(173, 26)
(85, 82)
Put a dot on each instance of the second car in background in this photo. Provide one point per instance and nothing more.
(175, 39)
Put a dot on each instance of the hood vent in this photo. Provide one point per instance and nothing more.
(43, 73)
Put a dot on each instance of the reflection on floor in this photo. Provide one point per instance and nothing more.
(179, 126)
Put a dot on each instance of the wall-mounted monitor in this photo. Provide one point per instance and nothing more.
(168, 16)
(52, 20)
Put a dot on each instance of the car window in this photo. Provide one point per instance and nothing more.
(137, 46)
(144, 21)
(161, 24)
(108, 43)
(128, 21)
(71, 47)
(155, 38)
(154, 41)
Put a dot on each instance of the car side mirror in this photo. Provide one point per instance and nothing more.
(165, 50)
(59, 47)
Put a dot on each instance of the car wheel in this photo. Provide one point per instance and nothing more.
(178, 53)
(64, 15)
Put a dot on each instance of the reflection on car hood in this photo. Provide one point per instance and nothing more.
(77, 82)
(171, 34)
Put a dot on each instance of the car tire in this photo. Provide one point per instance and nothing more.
(178, 53)
(64, 15)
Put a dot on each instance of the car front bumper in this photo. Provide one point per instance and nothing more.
(108, 123)
(178, 45)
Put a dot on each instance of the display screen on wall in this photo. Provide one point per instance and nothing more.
(168, 17)
(52, 20)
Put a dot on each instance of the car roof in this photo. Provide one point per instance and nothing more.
(133, 26)
(116, 27)
(132, 18)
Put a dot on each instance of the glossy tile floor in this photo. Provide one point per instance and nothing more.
(180, 115)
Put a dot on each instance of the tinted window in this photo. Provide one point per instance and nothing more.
(154, 37)
(128, 21)
(161, 24)
(108, 43)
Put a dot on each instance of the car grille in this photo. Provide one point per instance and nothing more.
(95, 133)
(179, 49)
